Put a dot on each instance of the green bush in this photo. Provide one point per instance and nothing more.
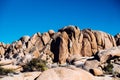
(108, 69)
(35, 65)
(5, 71)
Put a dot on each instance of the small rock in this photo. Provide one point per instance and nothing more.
(96, 71)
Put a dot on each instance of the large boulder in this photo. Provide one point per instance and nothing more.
(107, 54)
(18, 44)
(51, 32)
(96, 71)
(2, 51)
(63, 50)
(89, 64)
(45, 38)
(62, 73)
(86, 48)
(88, 33)
(97, 40)
(36, 40)
(25, 38)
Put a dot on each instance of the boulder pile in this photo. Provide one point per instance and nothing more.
(88, 49)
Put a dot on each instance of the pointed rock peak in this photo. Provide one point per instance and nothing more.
(25, 38)
(69, 28)
(51, 32)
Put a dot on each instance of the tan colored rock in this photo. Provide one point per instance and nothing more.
(105, 55)
(104, 40)
(72, 31)
(91, 39)
(62, 73)
(112, 39)
(37, 41)
(22, 76)
(86, 42)
(116, 68)
(96, 71)
(13, 78)
(74, 58)
(31, 75)
(12, 67)
(86, 48)
(51, 32)
(105, 77)
(98, 38)
(75, 39)
(7, 46)
(25, 38)
(80, 38)
(63, 48)
(108, 43)
(29, 46)
(75, 48)
(60, 46)
(2, 51)
(80, 62)
(90, 64)
(35, 37)
(6, 62)
(46, 38)
(2, 44)
(56, 35)
(35, 52)
(18, 44)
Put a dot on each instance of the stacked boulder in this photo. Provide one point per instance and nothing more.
(3, 49)
(27, 48)
(105, 61)
(68, 44)
(95, 51)
(75, 42)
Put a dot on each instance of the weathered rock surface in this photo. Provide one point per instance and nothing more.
(81, 42)
(61, 73)
(22, 76)
(67, 46)
(105, 55)
(61, 46)
(96, 71)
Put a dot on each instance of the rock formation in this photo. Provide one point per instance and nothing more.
(69, 45)
(58, 47)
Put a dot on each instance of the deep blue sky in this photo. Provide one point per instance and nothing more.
(26, 17)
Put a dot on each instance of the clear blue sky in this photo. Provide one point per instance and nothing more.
(26, 17)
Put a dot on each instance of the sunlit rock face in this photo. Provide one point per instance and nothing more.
(59, 46)
(91, 50)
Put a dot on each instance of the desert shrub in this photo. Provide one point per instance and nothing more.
(108, 68)
(5, 71)
(35, 65)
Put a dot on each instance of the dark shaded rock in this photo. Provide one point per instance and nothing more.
(117, 39)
